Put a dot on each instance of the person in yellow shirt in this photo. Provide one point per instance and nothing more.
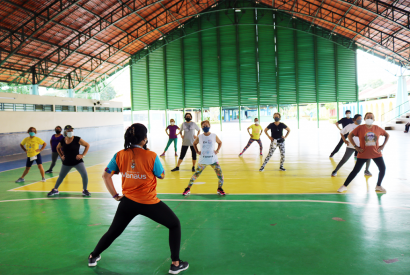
(31, 145)
(255, 136)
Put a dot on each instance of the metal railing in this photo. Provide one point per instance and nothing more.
(390, 114)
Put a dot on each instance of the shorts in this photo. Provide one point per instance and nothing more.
(38, 161)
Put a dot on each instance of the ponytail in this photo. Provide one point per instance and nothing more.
(136, 133)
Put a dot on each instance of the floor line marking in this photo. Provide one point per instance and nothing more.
(51, 178)
(185, 200)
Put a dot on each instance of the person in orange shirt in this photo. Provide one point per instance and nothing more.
(139, 168)
(368, 135)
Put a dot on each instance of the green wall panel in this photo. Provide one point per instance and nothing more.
(210, 68)
(346, 84)
(192, 71)
(306, 67)
(267, 67)
(248, 65)
(326, 71)
(156, 80)
(286, 66)
(139, 85)
(175, 91)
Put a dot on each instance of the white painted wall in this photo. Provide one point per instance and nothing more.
(17, 121)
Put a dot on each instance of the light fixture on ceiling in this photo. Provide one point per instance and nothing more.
(161, 38)
(238, 10)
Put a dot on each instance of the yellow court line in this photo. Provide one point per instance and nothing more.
(186, 200)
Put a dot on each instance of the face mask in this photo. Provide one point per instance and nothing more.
(172, 123)
(58, 131)
(369, 121)
(32, 134)
(206, 129)
(277, 119)
(257, 122)
(70, 134)
(348, 115)
(359, 121)
(188, 119)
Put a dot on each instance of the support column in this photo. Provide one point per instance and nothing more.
(131, 94)
(316, 77)
(34, 85)
(148, 91)
(70, 87)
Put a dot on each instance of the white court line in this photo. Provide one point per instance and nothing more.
(187, 200)
(51, 178)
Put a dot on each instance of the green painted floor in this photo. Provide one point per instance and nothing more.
(237, 234)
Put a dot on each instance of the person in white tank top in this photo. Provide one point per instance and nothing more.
(207, 156)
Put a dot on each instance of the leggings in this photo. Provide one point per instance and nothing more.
(359, 164)
(54, 157)
(337, 148)
(175, 141)
(349, 152)
(407, 126)
(64, 171)
(128, 210)
(184, 148)
(272, 149)
(201, 167)
(250, 142)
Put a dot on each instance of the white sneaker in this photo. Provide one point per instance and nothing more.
(342, 189)
(380, 189)
(43, 179)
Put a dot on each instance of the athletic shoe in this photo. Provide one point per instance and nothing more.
(186, 192)
(175, 169)
(240, 155)
(20, 180)
(193, 168)
(261, 170)
(342, 189)
(334, 174)
(331, 155)
(367, 173)
(176, 269)
(380, 189)
(163, 155)
(221, 191)
(93, 261)
(43, 179)
(48, 171)
(86, 193)
(176, 154)
(282, 169)
(53, 192)
(261, 154)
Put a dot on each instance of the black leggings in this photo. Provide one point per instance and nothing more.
(359, 164)
(128, 210)
(184, 149)
(337, 148)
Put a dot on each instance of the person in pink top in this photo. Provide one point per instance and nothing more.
(173, 136)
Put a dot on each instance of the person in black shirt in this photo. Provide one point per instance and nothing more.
(344, 121)
(277, 139)
(69, 151)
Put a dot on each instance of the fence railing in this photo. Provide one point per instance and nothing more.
(390, 115)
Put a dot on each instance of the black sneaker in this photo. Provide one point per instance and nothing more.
(331, 155)
(176, 269)
(53, 192)
(86, 193)
(93, 261)
(282, 169)
(49, 172)
(186, 192)
(193, 168)
(175, 169)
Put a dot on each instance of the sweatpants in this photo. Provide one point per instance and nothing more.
(273, 145)
(337, 148)
(359, 164)
(175, 141)
(127, 210)
(54, 157)
(201, 168)
(184, 149)
(250, 142)
(349, 152)
(64, 171)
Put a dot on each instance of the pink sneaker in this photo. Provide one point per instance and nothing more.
(163, 155)
(221, 191)
(187, 191)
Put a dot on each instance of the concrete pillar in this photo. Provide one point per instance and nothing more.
(402, 97)
(70, 92)
(34, 89)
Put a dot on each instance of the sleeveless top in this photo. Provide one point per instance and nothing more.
(207, 144)
(71, 151)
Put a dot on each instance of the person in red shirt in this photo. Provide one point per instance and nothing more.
(139, 168)
(368, 135)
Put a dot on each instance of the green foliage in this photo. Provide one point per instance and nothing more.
(108, 93)
(15, 89)
(372, 83)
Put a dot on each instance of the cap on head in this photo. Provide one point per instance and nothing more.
(68, 127)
